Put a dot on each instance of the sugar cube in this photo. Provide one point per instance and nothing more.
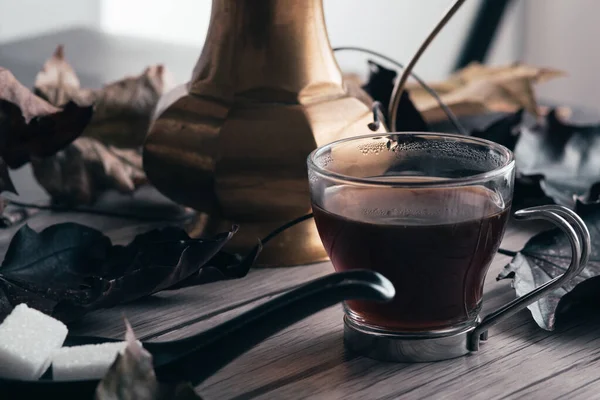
(28, 338)
(90, 361)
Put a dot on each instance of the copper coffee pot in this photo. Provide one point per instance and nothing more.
(265, 92)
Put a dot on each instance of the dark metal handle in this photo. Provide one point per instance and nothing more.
(200, 356)
(579, 237)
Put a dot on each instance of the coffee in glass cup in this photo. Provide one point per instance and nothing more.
(428, 211)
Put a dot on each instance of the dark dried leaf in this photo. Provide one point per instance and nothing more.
(409, 118)
(6, 183)
(223, 265)
(53, 266)
(380, 83)
(528, 192)
(79, 174)
(30, 126)
(505, 131)
(564, 154)
(59, 255)
(5, 305)
(155, 261)
(548, 255)
(69, 269)
(380, 86)
(589, 201)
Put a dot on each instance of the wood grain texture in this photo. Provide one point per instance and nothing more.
(172, 310)
(308, 360)
(519, 361)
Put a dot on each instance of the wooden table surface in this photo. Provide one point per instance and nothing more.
(308, 359)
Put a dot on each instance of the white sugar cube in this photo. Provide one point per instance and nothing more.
(90, 361)
(27, 340)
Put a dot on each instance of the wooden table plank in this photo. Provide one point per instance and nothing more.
(308, 359)
(169, 310)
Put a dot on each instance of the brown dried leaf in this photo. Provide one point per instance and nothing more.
(58, 83)
(29, 105)
(109, 156)
(132, 374)
(124, 108)
(478, 88)
(132, 377)
(30, 126)
(86, 168)
(476, 71)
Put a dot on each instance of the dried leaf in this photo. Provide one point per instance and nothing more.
(109, 155)
(547, 256)
(58, 83)
(380, 86)
(476, 71)
(132, 377)
(6, 183)
(124, 108)
(28, 104)
(563, 154)
(30, 126)
(380, 83)
(479, 88)
(505, 131)
(586, 203)
(87, 168)
(476, 97)
(69, 269)
(155, 261)
(14, 215)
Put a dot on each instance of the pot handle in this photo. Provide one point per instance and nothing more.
(200, 356)
(579, 237)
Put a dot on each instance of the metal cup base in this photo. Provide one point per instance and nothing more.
(407, 347)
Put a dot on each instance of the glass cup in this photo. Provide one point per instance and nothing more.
(428, 211)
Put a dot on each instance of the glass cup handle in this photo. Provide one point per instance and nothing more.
(579, 237)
